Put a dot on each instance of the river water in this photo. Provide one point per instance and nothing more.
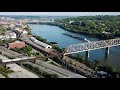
(55, 34)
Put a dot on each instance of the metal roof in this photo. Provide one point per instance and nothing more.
(39, 42)
(42, 44)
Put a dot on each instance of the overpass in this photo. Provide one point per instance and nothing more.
(5, 60)
(76, 48)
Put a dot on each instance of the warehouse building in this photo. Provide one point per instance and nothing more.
(44, 45)
(16, 44)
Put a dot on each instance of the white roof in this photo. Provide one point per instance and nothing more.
(42, 44)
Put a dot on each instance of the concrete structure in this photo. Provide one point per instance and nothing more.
(44, 45)
(16, 44)
(87, 55)
(4, 60)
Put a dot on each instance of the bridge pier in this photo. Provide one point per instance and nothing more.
(107, 51)
(87, 55)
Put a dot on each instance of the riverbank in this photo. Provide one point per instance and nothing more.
(70, 30)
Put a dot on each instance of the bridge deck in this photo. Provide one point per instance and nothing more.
(92, 46)
(5, 60)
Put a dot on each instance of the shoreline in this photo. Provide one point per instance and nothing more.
(53, 24)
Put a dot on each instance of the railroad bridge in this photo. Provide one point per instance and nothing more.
(86, 47)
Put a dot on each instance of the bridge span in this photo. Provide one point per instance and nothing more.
(76, 48)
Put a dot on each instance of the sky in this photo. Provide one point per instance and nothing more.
(60, 13)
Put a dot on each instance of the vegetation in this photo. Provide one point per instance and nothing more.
(40, 72)
(5, 71)
(58, 48)
(2, 42)
(40, 39)
(2, 30)
(104, 27)
(115, 72)
(27, 28)
(38, 55)
(96, 65)
(25, 50)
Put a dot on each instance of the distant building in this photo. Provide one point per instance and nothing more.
(71, 22)
(16, 44)
(8, 35)
(21, 30)
(25, 32)
(12, 35)
(18, 29)
(3, 37)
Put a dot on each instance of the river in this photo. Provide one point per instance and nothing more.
(55, 34)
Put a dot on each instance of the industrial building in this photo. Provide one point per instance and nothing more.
(44, 45)
(16, 44)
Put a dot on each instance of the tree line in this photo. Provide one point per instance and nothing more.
(103, 27)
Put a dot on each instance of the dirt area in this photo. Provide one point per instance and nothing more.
(20, 72)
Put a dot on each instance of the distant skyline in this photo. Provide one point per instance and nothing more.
(59, 13)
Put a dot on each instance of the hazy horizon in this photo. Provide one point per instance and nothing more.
(59, 13)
